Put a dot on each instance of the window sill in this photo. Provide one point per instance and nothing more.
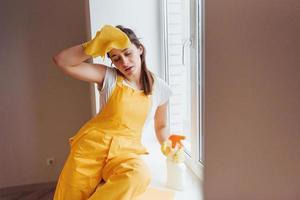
(156, 162)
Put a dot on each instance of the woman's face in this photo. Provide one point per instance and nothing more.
(127, 61)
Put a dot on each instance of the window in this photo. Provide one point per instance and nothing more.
(183, 71)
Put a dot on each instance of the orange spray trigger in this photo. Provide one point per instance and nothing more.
(176, 139)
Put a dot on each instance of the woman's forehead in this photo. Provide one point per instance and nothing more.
(114, 52)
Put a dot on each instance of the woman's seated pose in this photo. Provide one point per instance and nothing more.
(108, 147)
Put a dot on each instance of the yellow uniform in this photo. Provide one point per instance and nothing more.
(107, 148)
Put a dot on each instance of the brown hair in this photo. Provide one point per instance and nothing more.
(146, 75)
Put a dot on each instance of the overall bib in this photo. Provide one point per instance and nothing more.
(107, 148)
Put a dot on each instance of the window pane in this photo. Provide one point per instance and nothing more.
(179, 67)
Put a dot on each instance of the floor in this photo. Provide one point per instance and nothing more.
(43, 191)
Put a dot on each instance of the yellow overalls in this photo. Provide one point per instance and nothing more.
(107, 148)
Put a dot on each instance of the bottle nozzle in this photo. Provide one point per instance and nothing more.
(176, 139)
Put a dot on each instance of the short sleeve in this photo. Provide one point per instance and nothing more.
(109, 83)
(109, 80)
(163, 91)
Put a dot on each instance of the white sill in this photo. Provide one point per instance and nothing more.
(157, 163)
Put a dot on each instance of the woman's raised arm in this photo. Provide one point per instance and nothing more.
(72, 62)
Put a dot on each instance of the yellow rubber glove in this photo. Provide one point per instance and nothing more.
(173, 148)
(108, 38)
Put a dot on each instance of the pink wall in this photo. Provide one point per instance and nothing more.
(40, 106)
(252, 84)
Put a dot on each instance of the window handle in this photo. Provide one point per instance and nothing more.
(186, 42)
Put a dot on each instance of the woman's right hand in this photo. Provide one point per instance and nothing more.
(107, 38)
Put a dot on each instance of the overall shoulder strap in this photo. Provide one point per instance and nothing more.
(120, 78)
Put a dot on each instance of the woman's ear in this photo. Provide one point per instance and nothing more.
(141, 50)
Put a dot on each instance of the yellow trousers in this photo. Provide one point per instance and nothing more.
(125, 175)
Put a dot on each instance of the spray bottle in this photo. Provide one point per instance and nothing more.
(176, 169)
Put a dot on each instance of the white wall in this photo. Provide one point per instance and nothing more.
(140, 15)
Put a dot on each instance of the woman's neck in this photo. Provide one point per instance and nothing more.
(136, 83)
(135, 80)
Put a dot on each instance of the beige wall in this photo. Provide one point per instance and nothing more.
(252, 81)
(40, 106)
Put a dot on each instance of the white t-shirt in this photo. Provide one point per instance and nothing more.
(160, 93)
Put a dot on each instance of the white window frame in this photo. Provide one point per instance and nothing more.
(195, 160)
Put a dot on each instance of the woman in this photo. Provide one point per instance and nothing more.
(107, 147)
